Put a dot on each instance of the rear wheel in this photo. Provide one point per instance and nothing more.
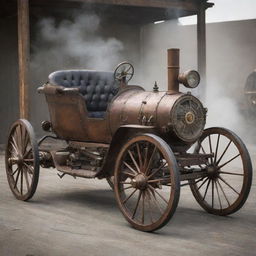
(229, 172)
(22, 160)
(147, 185)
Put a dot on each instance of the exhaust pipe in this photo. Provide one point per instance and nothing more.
(173, 62)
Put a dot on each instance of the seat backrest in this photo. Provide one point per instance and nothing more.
(98, 88)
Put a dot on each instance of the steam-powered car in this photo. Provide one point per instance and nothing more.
(147, 144)
(250, 93)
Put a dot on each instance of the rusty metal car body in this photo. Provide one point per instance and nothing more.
(147, 144)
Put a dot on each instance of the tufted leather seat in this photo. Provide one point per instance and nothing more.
(98, 88)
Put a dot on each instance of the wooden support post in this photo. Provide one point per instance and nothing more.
(23, 53)
(201, 47)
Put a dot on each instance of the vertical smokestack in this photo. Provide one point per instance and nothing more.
(173, 69)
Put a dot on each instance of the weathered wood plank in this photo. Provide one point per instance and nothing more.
(23, 54)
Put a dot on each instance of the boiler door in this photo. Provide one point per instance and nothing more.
(188, 118)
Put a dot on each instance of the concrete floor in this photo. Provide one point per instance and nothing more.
(80, 217)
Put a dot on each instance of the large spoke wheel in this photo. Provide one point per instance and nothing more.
(147, 185)
(22, 160)
(229, 172)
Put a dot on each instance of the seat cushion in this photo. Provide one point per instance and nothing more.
(98, 88)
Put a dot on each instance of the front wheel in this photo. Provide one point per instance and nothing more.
(22, 160)
(147, 185)
(229, 172)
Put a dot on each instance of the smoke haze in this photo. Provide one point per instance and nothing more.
(81, 42)
(75, 44)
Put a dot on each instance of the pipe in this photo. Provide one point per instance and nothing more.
(173, 62)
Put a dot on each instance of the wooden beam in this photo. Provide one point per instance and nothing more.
(182, 5)
(201, 47)
(23, 54)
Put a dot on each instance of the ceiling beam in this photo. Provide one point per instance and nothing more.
(175, 4)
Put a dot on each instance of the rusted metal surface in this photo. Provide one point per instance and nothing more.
(173, 62)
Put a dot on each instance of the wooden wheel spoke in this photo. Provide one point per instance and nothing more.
(210, 144)
(139, 154)
(137, 204)
(26, 178)
(22, 137)
(122, 189)
(14, 146)
(26, 141)
(128, 174)
(152, 189)
(218, 194)
(201, 146)
(127, 198)
(223, 193)
(149, 205)
(146, 156)
(27, 153)
(228, 185)
(203, 183)
(159, 180)
(206, 188)
(18, 134)
(155, 201)
(12, 174)
(230, 160)
(16, 179)
(31, 170)
(134, 161)
(224, 152)
(232, 173)
(143, 207)
(130, 168)
(157, 170)
(195, 182)
(126, 183)
(217, 147)
(150, 160)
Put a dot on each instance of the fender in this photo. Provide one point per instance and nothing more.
(121, 136)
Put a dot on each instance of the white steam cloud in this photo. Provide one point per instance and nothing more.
(74, 44)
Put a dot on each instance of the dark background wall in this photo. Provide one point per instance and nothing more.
(9, 100)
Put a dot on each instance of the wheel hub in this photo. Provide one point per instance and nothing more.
(16, 160)
(212, 171)
(140, 182)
